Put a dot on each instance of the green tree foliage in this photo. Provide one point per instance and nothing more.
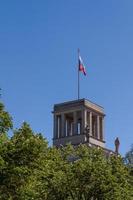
(129, 162)
(30, 170)
(80, 173)
(129, 157)
(5, 125)
(22, 152)
(5, 120)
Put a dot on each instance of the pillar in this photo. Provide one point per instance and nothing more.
(58, 125)
(102, 128)
(98, 127)
(75, 123)
(84, 120)
(62, 125)
(55, 127)
(90, 123)
(69, 127)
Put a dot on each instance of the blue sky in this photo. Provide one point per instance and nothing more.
(38, 61)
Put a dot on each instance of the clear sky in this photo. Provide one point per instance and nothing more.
(38, 61)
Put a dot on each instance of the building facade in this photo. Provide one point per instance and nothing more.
(78, 122)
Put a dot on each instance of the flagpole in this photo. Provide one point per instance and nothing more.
(78, 77)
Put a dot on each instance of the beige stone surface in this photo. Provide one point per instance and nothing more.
(71, 119)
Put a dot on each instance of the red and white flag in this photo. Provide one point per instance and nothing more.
(82, 66)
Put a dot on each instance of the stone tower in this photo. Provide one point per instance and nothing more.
(78, 122)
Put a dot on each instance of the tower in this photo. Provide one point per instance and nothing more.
(78, 122)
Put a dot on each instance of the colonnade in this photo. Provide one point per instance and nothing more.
(74, 123)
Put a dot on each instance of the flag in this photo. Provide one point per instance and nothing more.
(81, 66)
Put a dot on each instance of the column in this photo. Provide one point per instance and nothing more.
(58, 129)
(98, 128)
(62, 125)
(102, 128)
(84, 120)
(55, 127)
(68, 127)
(85, 117)
(75, 123)
(90, 123)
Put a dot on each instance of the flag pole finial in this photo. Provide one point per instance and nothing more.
(78, 51)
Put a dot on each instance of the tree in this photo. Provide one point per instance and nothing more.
(129, 162)
(80, 173)
(30, 170)
(5, 120)
(23, 151)
(5, 125)
(129, 157)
